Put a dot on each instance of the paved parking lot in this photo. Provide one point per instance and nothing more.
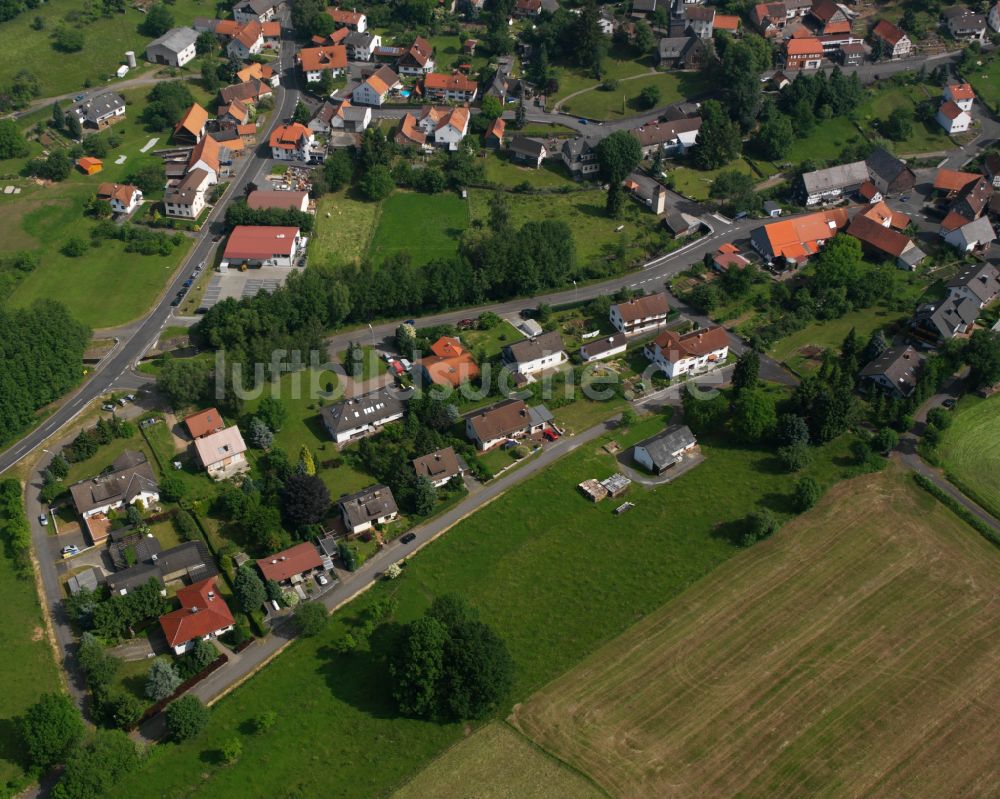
(240, 285)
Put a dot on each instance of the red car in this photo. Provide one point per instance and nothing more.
(550, 434)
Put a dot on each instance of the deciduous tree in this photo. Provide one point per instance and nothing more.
(50, 729)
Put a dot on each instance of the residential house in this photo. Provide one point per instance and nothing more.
(292, 142)
(493, 138)
(727, 257)
(668, 138)
(263, 199)
(504, 84)
(878, 230)
(341, 116)
(969, 204)
(952, 118)
(949, 182)
(261, 72)
(527, 8)
(440, 467)
(580, 157)
(730, 23)
(222, 454)
(979, 282)
(365, 509)
(449, 364)
(410, 134)
(250, 10)
(681, 52)
(700, 20)
(261, 245)
(375, 88)
(248, 41)
(272, 35)
(89, 580)
(203, 615)
(191, 127)
(207, 156)
(888, 173)
(603, 347)
(805, 53)
(795, 240)
(769, 19)
(292, 565)
(535, 354)
(314, 61)
(895, 371)
(681, 224)
(361, 46)
(991, 168)
(640, 314)
(893, 41)
(454, 88)
(130, 480)
(348, 19)
(869, 192)
(189, 561)
(944, 320)
(971, 235)
(994, 17)
(445, 127)
(961, 94)
(187, 199)
(122, 198)
(204, 423)
(174, 48)
(527, 151)
(852, 54)
(100, 110)
(832, 183)
(510, 419)
(358, 416)
(232, 115)
(690, 353)
(964, 23)
(607, 22)
(666, 449)
(250, 91)
(642, 8)
(417, 60)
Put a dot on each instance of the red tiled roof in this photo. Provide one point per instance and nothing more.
(409, 132)
(249, 33)
(450, 364)
(953, 180)
(207, 150)
(693, 344)
(456, 82)
(202, 613)
(887, 32)
(332, 56)
(950, 110)
(259, 241)
(287, 137)
(289, 562)
(961, 91)
(497, 128)
(204, 422)
(727, 22)
(271, 30)
(804, 47)
(288, 200)
(193, 121)
(799, 237)
(881, 238)
(342, 17)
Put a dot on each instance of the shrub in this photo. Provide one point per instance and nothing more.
(186, 717)
(807, 494)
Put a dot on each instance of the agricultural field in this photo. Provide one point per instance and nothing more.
(556, 586)
(970, 450)
(849, 655)
(426, 226)
(482, 766)
(27, 668)
(344, 228)
(105, 41)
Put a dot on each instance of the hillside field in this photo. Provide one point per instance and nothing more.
(969, 450)
(853, 654)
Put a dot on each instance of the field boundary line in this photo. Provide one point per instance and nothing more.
(551, 755)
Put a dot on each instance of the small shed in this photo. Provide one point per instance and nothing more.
(616, 485)
(89, 166)
(593, 490)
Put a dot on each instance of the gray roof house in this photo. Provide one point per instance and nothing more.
(87, 580)
(100, 109)
(175, 47)
(535, 354)
(968, 237)
(355, 417)
(944, 320)
(189, 561)
(980, 282)
(373, 505)
(896, 370)
(527, 151)
(833, 182)
(889, 174)
(666, 449)
(580, 157)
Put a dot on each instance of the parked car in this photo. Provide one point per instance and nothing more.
(527, 313)
(187, 283)
(408, 537)
(175, 302)
(322, 580)
(43, 520)
(130, 397)
(949, 403)
(123, 402)
(108, 406)
(70, 551)
(550, 434)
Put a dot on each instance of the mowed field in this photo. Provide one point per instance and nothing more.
(853, 654)
(970, 450)
(427, 226)
(497, 763)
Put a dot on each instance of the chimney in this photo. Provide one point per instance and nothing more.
(211, 595)
(194, 608)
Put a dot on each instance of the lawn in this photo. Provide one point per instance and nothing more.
(543, 130)
(620, 63)
(344, 227)
(425, 226)
(27, 668)
(850, 655)
(926, 136)
(556, 584)
(504, 172)
(600, 104)
(487, 344)
(986, 82)
(970, 450)
(105, 42)
(824, 142)
(481, 767)
(695, 183)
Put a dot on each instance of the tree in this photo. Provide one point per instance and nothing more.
(614, 207)
(982, 353)
(210, 72)
(643, 40)
(703, 411)
(158, 20)
(478, 673)
(67, 39)
(206, 43)
(618, 155)
(306, 463)
(202, 655)
(97, 664)
(301, 113)
(249, 589)
(232, 750)
(649, 97)
(795, 457)
(424, 496)
(520, 116)
(807, 494)
(168, 101)
(629, 417)
(186, 717)
(491, 107)
(58, 117)
(273, 413)
(264, 721)
(49, 730)
(718, 140)
(94, 769)
(122, 709)
(759, 525)
(162, 681)
(588, 43)
(310, 618)
(74, 129)
(338, 169)
(775, 136)
(899, 125)
(12, 143)
(185, 382)
(753, 415)
(742, 88)
(377, 183)
(745, 375)
(324, 87)
(737, 188)
(875, 347)
(304, 500)
(58, 467)
(417, 667)
(886, 439)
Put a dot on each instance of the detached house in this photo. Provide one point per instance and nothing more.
(130, 480)
(580, 157)
(681, 52)
(187, 199)
(527, 151)
(455, 88)
(640, 314)
(203, 614)
(262, 72)
(535, 354)
(222, 454)
(314, 61)
(888, 173)
(175, 47)
(100, 110)
(603, 347)
(248, 41)
(894, 43)
(963, 23)
(367, 508)
(254, 10)
(348, 19)
(449, 363)
(878, 229)
(191, 128)
(952, 118)
(292, 142)
(978, 282)
(795, 240)
(895, 371)
(445, 127)
(358, 416)
(665, 450)
(961, 94)
(374, 90)
(510, 419)
(292, 565)
(261, 245)
(971, 235)
(418, 59)
(122, 198)
(669, 138)
(689, 353)
(204, 423)
(942, 321)
(804, 53)
(361, 46)
(440, 467)
(207, 156)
